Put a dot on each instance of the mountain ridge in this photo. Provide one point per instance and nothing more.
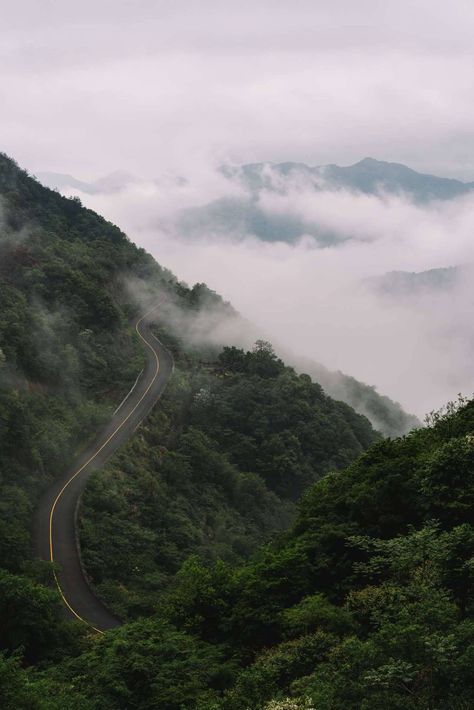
(367, 175)
(394, 174)
(240, 216)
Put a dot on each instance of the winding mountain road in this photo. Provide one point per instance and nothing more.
(55, 531)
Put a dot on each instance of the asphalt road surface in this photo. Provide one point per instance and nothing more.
(55, 531)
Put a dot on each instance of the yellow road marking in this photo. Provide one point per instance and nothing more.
(51, 552)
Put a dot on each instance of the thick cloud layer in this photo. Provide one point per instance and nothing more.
(416, 344)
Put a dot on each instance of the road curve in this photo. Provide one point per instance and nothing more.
(55, 533)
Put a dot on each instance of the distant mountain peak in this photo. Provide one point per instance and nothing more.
(368, 162)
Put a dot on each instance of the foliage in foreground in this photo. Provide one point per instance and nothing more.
(366, 603)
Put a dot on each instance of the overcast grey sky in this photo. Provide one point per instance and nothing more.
(151, 85)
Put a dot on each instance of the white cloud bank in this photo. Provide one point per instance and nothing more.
(316, 301)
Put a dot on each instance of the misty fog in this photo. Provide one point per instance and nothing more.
(321, 302)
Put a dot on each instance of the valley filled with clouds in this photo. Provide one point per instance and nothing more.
(330, 295)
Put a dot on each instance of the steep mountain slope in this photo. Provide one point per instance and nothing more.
(214, 472)
(385, 415)
(68, 352)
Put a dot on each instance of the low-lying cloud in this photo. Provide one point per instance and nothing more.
(319, 301)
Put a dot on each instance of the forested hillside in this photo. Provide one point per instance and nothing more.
(216, 471)
(386, 416)
(366, 603)
(218, 468)
(67, 353)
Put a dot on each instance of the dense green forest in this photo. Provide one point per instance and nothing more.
(217, 469)
(366, 602)
(67, 352)
(264, 546)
